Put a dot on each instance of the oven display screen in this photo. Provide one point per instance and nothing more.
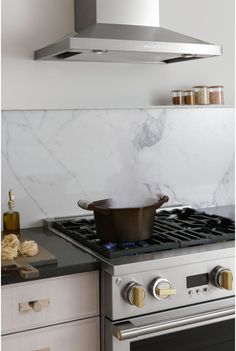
(197, 280)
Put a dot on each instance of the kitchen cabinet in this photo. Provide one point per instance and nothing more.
(59, 313)
(81, 335)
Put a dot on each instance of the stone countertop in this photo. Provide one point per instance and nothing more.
(70, 259)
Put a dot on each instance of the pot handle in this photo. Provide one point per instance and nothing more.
(90, 206)
(85, 205)
(161, 201)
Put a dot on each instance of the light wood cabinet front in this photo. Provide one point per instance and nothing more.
(81, 335)
(51, 301)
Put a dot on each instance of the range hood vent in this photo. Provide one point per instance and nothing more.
(124, 31)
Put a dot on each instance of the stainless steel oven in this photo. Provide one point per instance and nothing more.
(174, 292)
(181, 301)
(208, 327)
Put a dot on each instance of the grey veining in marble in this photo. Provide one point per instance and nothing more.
(53, 158)
(151, 131)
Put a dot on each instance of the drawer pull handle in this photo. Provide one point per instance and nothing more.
(45, 349)
(36, 306)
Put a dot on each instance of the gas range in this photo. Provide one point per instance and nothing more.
(177, 228)
(184, 273)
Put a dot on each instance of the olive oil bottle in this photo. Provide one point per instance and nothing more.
(11, 219)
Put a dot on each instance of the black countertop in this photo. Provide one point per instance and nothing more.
(70, 259)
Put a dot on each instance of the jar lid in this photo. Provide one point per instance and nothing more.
(187, 91)
(216, 86)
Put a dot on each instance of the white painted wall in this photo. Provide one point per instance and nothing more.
(30, 24)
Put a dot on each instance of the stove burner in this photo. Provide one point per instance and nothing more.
(110, 246)
(176, 229)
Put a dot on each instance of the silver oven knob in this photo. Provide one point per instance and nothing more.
(135, 294)
(161, 288)
(222, 278)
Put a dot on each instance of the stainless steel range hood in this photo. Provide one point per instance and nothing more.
(124, 31)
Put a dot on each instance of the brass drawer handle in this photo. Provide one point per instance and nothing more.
(36, 306)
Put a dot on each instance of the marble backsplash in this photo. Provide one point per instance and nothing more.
(51, 159)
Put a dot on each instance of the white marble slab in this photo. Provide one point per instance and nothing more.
(53, 158)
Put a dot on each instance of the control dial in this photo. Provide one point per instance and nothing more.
(162, 289)
(136, 294)
(222, 278)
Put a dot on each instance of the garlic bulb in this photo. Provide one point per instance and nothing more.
(29, 248)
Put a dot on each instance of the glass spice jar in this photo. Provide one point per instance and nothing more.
(177, 97)
(201, 95)
(216, 94)
(188, 97)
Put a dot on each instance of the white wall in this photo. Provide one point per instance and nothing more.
(30, 24)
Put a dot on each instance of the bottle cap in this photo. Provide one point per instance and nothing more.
(11, 203)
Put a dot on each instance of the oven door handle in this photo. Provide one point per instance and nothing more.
(127, 330)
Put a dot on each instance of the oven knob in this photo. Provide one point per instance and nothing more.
(136, 294)
(222, 278)
(161, 288)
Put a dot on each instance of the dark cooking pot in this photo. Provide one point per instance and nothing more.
(123, 224)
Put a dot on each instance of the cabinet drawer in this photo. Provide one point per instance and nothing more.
(63, 298)
(81, 335)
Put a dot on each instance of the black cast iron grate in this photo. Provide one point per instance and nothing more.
(172, 229)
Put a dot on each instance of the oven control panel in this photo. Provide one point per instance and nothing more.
(170, 287)
(161, 288)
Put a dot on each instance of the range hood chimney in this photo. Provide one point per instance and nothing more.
(124, 31)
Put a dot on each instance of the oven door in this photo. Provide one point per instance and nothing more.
(204, 327)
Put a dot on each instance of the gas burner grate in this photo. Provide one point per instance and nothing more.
(172, 230)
